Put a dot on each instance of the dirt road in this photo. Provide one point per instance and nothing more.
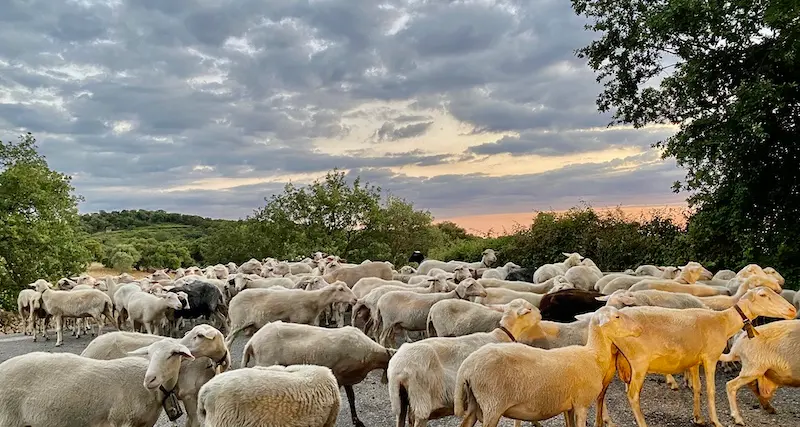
(662, 407)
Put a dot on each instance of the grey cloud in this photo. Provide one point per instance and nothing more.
(389, 131)
(176, 72)
(569, 142)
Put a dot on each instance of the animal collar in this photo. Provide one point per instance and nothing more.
(503, 328)
(748, 325)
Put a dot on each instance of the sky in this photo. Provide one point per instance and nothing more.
(465, 108)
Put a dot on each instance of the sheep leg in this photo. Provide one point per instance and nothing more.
(634, 391)
(581, 414)
(710, 368)
(100, 324)
(601, 414)
(671, 382)
(694, 375)
(351, 399)
(148, 326)
(59, 332)
(491, 421)
(569, 418)
(745, 377)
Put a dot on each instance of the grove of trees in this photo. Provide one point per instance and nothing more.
(725, 72)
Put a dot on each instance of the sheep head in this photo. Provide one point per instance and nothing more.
(521, 318)
(560, 283)
(573, 259)
(750, 270)
(769, 271)
(41, 285)
(470, 288)
(439, 284)
(341, 293)
(763, 301)
(207, 341)
(618, 299)
(165, 363)
(669, 272)
(461, 273)
(615, 323)
(488, 257)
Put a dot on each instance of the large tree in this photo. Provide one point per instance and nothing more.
(38, 220)
(726, 73)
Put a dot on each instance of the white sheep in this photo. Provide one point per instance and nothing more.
(421, 374)
(366, 307)
(151, 310)
(655, 298)
(616, 281)
(583, 277)
(27, 303)
(488, 258)
(274, 396)
(533, 384)
(499, 272)
(675, 341)
(769, 360)
(504, 296)
(519, 286)
(252, 266)
(74, 304)
(349, 353)
(408, 310)
(723, 302)
(79, 391)
(548, 271)
(253, 308)
(457, 317)
(724, 275)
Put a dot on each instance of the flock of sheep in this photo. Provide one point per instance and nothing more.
(521, 343)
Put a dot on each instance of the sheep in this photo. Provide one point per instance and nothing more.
(583, 277)
(678, 340)
(351, 275)
(252, 266)
(349, 353)
(499, 272)
(623, 298)
(559, 334)
(253, 308)
(79, 391)
(463, 272)
(723, 302)
(120, 299)
(456, 317)
(564, 305)
(273, 396)
(299, 268)
(769, 271)
(614, 282)
(367, 284)
(27, 303)
(366, 307)
(539, 288)
(204, 299)
(416, 257)
(523, 274)
(488, 258)
(243, 281)
(685, 282)
(503, 296)
(649, 270)
(74, 304)
(527, 383)
(548, 271)
(724, 275)
(151, 310)
(202, 341)
(421, 380)
(769, 360)
(409, 310)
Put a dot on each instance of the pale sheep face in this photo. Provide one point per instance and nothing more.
(173, 301)
(615, 323)
(344, 294)
(489, 257)
(763, 301)
(470, 288)
(750, 270)
(769, 271)
(165, 362)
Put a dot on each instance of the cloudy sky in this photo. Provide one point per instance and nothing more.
(207, 106)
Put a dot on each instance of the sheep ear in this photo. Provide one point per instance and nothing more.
(461, 291)
(565, 254)
(184, 352)
(143, 351)
(603, 298)
(523, 311)
(584, 316)
(602, 318)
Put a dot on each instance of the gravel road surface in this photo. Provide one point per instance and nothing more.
(662, 407)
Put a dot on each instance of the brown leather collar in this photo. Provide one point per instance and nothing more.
(748, 325)
(503, 328)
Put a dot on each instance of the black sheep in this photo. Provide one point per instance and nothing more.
(564, 305)
(524, 274)
(205, 300)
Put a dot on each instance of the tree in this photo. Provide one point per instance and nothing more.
(122, 261)
(402, 230)
(329, 215)
(38, 220)
(728, 78)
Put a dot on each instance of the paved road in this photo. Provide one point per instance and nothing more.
(662, 407)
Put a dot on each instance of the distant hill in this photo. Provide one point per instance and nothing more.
(103, 221)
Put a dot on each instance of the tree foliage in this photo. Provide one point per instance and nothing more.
(38, 220)
(726, 72)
